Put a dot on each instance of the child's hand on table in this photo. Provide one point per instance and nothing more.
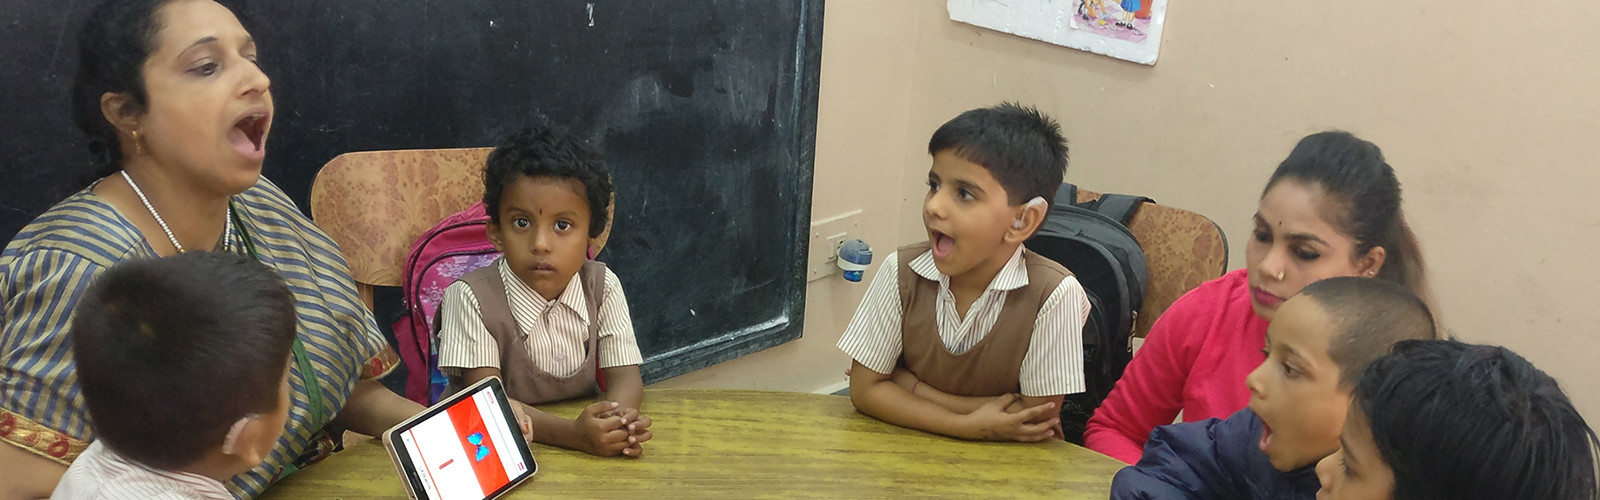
(603, 433)
(991, 422)
(1056, 429)
(524, 422)
(638, 426)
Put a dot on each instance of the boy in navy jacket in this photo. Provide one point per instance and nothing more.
(1317, 345)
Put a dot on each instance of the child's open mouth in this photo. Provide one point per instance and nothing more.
(1266, 436)
(942, 243)
(248, 134)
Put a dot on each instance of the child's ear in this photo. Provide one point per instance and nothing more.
(1370, 264)
(492, 230)
(247, 439)
(1028, 220)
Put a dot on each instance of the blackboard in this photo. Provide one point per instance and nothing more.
(705, 110)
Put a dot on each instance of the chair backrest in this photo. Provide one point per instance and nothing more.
(1182, 249)
(376, 203)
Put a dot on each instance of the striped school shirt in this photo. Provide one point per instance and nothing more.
(102, 474)
(50, 263)
(556, 329)
(1054, 363)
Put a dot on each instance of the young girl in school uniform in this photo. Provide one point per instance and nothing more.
(544, 317)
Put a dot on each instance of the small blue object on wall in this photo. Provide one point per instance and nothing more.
(854, 255)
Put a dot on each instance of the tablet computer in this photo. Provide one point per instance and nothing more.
(467, 447)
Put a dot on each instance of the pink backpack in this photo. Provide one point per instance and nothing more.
(451, 249)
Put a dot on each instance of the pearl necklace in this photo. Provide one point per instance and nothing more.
(227, 232)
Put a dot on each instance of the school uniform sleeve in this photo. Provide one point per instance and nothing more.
(1195, 460)
(873, 336)
(617, 344)
(463, 340)
(1054, 363)
(1150, 392)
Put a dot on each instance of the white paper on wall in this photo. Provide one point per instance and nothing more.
(1125, 29)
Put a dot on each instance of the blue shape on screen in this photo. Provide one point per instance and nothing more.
(483, 450)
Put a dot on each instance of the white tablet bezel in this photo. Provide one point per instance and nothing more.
(402, 464)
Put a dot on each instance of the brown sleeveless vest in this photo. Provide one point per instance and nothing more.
(993, 367)
(523, 380)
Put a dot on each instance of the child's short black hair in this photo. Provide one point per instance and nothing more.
(548, 152)
(171, 352)
(1021, 147)
(1368, 315)
(1465, 422)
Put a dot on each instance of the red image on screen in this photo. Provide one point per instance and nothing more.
(482, 455)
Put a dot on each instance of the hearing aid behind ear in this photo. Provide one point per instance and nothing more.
(229, 442)
(1037, 200)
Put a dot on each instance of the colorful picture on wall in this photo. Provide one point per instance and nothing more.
(1120, 19)
(1125, 29)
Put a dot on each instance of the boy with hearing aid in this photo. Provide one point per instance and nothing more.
(184, 366)
(969, 334)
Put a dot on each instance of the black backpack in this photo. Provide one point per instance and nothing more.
(1092, 240)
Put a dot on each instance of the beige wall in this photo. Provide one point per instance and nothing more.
(1488, 117)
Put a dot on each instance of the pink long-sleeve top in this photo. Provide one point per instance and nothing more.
(1195, 359)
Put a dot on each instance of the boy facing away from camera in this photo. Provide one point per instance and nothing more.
(184, 366)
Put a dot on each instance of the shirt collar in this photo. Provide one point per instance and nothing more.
(518, 292)
(1012, 276)
(196, 483)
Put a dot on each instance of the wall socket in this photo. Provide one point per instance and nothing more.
(827, 235)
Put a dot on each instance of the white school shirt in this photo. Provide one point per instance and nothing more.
(1054, 363)
(555, 329)
(102, 474)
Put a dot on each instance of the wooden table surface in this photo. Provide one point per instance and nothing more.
(758, 444)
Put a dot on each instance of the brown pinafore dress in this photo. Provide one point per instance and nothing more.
(523, 380)
(993, 367)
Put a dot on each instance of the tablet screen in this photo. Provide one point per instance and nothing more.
(467, 448)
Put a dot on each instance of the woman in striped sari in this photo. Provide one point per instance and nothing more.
(178, 113)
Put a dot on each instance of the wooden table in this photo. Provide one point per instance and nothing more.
(750, 444)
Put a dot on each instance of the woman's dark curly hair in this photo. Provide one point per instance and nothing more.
(112, 48)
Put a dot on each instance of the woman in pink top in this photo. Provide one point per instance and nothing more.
(1332, 208)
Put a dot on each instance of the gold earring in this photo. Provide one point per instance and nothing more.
(138, 145)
